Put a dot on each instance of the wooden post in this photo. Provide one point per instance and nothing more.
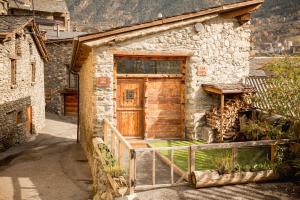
(131, 170)
(234, 155)
(192, 159)
(105, 130)
(120, 153)
(172, 167)
(273, 152)
(153, 167)
(222, 117)
(113, 145)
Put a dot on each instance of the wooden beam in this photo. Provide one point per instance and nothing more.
(240, 12)
(244, 18)
(179, 54)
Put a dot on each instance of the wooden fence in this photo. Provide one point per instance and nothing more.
(128, 157)
(184, 176)
(122, 151)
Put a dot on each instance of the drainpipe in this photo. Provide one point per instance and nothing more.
(78, 119)
(57, 30)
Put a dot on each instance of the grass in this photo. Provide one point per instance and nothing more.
(205, 159)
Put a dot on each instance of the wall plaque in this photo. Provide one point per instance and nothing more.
(103, 82)
(202, 71)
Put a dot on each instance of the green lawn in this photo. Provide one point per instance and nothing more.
(206, 160)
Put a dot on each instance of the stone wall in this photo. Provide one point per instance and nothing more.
(57, 75)
(222, 46)
(15, 98)
(87, 105)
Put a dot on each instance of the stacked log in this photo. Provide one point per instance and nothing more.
(230, 115)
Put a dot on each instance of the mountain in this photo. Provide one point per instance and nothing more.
(277, 20)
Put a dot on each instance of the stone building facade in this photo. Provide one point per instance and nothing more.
(215, 48)
(22, 102)
(60, 84)
(57, 75)
(49, 14)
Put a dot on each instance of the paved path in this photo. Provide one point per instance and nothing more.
(51, 167)
(266, 191)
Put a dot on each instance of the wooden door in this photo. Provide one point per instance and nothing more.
(29, 121)
(130, 107)
(163, 108)
(71, 104)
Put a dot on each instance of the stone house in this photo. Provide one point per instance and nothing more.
(60, 84)
(147, 78)
(49, 15)
(22, 101)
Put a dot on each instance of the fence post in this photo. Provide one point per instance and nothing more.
(192, 160)
(120, 152)
(131, 175)
(153, 167)
(234, 155)
(172, 166)
(105, 130)
(273, 152)
(113, 144)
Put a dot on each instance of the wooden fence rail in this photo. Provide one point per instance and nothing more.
(128, 157)
(192, 159)
(122, 151)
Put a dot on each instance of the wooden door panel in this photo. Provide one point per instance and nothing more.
(29, 121)
(130, 107)
(71, 104)
(163, 117)
(129, 123)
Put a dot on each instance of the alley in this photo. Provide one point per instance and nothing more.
(50, 167)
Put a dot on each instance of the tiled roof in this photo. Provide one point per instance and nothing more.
(9, 24)
(41, 5)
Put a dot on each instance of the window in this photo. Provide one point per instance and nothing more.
(140, 66)
(30, 48)
(18, 47)
(33, 71)
(13, 65)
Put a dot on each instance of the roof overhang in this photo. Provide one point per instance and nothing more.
(34, 31)
(240, 10)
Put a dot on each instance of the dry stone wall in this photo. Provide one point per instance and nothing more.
(15, 99)
(220, 45)
(57, 75)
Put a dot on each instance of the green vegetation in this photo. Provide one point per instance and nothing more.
(248, 159)
(111, 165)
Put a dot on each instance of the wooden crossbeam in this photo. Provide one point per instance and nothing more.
(240, 12)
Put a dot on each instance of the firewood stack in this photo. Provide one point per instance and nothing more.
(231, 111)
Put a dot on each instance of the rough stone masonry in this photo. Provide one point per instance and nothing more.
(15, 99)
(220, 45)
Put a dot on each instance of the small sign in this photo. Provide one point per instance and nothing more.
(103, 82)
(202, 71)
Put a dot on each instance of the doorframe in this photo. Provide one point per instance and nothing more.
(182, 75)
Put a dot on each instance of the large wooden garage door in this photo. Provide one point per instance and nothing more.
(163, 108)
(130, 107)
